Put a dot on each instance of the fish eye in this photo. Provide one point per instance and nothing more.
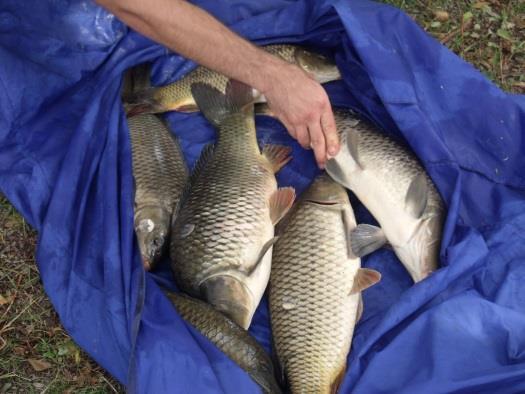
(157, 242)
(146, 225)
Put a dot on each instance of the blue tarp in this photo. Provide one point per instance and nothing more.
(65, 164)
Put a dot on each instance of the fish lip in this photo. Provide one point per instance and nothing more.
(146, 262)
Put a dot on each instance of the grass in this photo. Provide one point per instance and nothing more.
(36, 354)
(489, 34)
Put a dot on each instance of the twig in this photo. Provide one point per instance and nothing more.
(16, 317)
(110, 385)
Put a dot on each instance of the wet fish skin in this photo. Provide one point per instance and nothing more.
(222, 237)
(380, 172)
(315, 285)
(177, 96)
(160, 175)
(230, 338)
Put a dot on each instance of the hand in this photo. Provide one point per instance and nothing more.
(302, 105)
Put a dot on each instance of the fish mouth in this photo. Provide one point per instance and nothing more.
(324, 203)
(230, 296)
(146, 262)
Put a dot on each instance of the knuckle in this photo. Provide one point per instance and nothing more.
(316, 141)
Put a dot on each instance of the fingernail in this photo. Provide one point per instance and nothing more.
(321, 166)
(332, 150)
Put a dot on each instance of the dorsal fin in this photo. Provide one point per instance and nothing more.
(215, 105)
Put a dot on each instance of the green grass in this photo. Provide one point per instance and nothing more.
(490, 35)
(29, 327)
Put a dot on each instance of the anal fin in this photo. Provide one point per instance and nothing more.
(365, 278)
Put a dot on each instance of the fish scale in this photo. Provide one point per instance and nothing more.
(236, 200)
(221, 243)
(312, 311)
(160, 175)
(392, 184)
(231, 339)
(182, 88)
(177, 96)
(158, 164)
(386, 157)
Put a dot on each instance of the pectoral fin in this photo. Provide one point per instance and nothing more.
(417, 196)
(277, 155)
(280, 203)
(262, 253)
(365, 278)
(366, 239)
(348, 225)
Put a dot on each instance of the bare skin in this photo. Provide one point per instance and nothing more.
(294, 97)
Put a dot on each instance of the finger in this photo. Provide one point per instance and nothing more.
(317, 142)
(302, 136)
(291, 130)
(330, 132)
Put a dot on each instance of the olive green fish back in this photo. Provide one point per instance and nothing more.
(231, 339)
(159, 168)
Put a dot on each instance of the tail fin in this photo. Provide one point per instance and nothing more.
(216, 106)
(142, 102)
(137, 93)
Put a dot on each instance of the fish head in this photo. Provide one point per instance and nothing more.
(319, 66)
(230, 296)
(325, 191)
(420, 255)
(152, 228)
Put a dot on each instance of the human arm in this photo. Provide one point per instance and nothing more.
(293, 96)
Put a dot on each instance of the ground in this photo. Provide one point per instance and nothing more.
(37, 356)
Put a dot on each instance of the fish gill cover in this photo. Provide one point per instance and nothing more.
(65, 163)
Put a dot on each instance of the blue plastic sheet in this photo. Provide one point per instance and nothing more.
(65, 164)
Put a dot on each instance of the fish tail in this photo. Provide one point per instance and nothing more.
(217, 107)
(266, 380)
(142, 102)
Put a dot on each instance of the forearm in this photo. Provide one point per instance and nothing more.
(197, 35)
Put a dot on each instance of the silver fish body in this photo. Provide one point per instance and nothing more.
(221, 243)
(392, 184)
(160, 175)
(315, 286)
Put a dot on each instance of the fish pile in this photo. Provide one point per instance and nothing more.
(232, 233)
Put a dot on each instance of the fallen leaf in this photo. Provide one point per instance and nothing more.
(467, 16)
(441, 16)
(479, 4)
(435, 24)
(6, 300)
(504, 34)
(39, 365)
(19, 350)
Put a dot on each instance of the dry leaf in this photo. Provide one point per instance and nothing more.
(441, 16)
(39, 365)
(6, 300)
